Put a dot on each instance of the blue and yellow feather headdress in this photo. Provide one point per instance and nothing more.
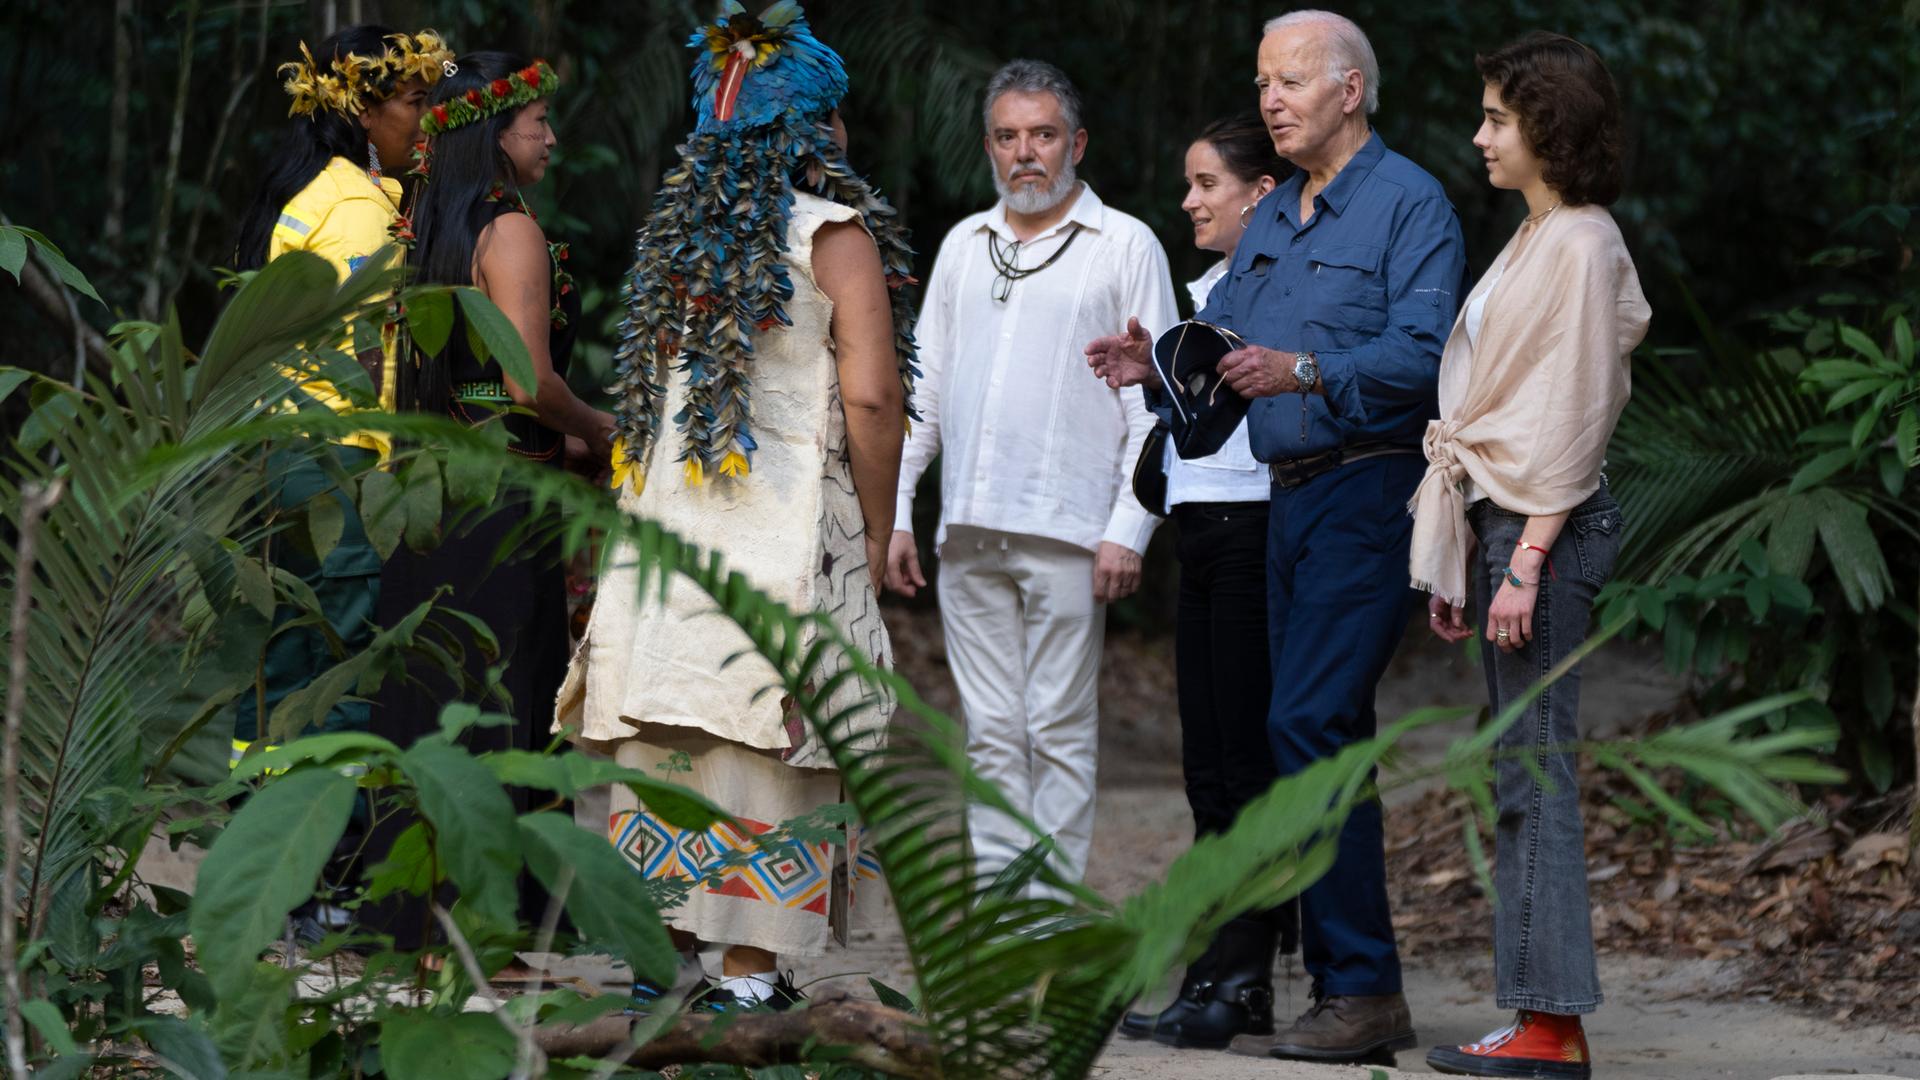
(709, 273)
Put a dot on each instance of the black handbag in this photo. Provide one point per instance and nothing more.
(1150, 472)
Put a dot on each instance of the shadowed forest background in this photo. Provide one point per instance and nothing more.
(1752, 804)
(1771, 182)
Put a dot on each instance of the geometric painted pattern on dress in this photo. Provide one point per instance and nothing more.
(789, 875)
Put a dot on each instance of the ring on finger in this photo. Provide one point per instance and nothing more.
(1501, 634)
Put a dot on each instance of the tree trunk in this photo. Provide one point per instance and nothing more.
(38, 500)
(170, 179)
(875, 1036)
(113, 230)
(242, 82)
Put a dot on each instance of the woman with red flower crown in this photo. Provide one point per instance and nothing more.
(490, 141)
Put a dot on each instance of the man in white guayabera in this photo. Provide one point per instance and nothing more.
(1039, 528)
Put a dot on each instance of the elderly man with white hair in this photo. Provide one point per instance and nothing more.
(1344, 286)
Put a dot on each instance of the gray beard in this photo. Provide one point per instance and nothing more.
(1036, 200)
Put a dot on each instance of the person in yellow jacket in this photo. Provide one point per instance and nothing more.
(331, 190)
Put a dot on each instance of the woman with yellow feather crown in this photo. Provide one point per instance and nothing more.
(330, 189)
(765, 319)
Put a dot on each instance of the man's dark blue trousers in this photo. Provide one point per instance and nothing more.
(1337, 605)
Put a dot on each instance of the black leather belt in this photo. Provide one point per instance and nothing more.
(1296, 471)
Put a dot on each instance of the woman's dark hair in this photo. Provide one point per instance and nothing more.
(305, 147)
(1246, 146)
(452, 207)
(1569, 112)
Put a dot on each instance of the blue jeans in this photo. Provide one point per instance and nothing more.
(1542, 929)
(1337, 606)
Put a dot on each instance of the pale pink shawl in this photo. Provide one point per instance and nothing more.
(1527, 409)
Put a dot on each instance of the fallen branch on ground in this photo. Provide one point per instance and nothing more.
(876, 1037)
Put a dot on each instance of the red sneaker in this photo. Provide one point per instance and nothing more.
(1535, 1045)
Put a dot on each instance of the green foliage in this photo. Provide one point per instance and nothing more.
(1771, 535)
(1022, 973)
(14, 241)
(114, 558)
(262, 867)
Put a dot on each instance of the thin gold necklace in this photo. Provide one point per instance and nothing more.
(1535, 219)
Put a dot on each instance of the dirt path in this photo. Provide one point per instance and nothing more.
(1663, 1020)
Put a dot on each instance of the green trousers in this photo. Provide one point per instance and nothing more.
(347, 582)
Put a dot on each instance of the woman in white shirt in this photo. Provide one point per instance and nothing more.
(1220, 635)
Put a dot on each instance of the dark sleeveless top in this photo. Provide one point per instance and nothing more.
(478, 388)
(485, 566)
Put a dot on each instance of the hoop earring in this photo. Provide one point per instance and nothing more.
(373, 159)
(1244, 211)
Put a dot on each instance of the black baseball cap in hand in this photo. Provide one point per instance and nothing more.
(1206, 410)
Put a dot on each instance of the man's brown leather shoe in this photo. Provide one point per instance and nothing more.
(1346, 1028)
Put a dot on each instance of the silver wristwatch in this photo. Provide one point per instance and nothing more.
(1306, 370)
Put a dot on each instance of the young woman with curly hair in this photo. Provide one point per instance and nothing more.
(1532, 381)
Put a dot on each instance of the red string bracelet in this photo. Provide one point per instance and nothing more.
(1551, 572)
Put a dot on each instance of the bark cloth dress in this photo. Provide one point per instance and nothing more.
(647, 683)
(521, 595)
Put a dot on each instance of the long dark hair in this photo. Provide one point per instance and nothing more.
(305, 147)
(453, 206)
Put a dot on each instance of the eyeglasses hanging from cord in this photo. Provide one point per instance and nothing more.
(1006, 261)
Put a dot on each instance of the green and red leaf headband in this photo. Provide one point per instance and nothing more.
(523, 87)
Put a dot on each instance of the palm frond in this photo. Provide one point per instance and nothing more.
(113, 559)
(1014, 982)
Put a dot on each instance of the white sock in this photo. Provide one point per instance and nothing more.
(755, 987)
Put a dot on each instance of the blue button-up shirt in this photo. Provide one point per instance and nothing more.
(1369, 284)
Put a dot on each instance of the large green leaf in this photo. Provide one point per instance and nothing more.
(354, 746)
(430, 318)
(264, 864)
(571, 773)
(383, 510)
(190, 1053)
(45, 1017)
(58, 260)
(13, 251)
(1854, 550)
(502, 341)
(437, 1046)
(421, 481)
(250, 1026)
(600, 891)
(473, 825)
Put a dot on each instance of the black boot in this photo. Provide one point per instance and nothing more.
(1193, 998)
(1239, 999)
(1194, 988)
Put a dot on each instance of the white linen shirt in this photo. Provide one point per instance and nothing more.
(1032, 442)
(1229, 474)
